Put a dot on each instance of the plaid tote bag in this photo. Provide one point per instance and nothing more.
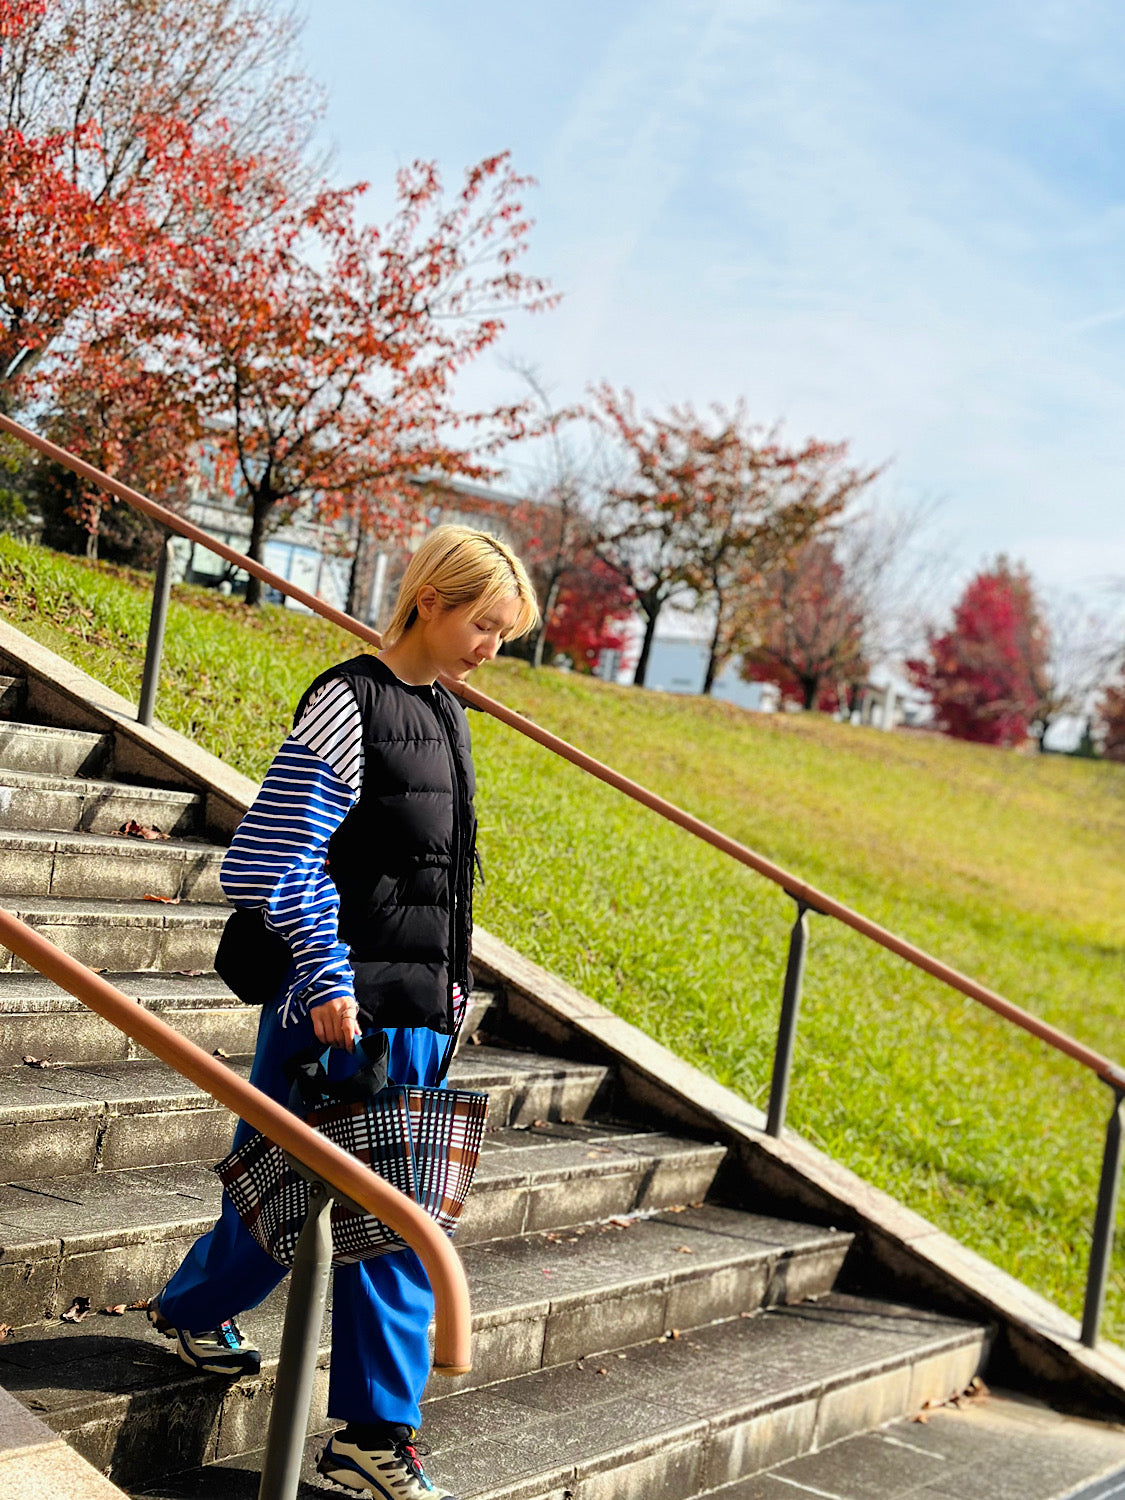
(423, 1141)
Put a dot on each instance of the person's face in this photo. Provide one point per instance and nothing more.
(460, 638)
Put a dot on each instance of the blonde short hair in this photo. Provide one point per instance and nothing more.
(464, 567)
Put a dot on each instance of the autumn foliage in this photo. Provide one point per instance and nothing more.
(986, 674)
(810, 630)
(177, 301)
(710, 507)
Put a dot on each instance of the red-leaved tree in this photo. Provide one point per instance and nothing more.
(322, 353)
(810, 629)
(591, 613)
(985, 675)
(710, 507)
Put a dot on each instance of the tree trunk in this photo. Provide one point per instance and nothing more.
(541, 635)
(358, 582)
(810, 687)
(713, 657)
(652, 614)
(261, 505)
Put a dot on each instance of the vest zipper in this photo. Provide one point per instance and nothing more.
(460, 800)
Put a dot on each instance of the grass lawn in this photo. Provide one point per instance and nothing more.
(1008, 866)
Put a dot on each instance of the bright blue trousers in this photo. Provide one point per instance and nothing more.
(381, 1308)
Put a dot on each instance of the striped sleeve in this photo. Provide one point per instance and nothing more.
(277, 859)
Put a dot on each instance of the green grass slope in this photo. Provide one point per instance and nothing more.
(1010, 867)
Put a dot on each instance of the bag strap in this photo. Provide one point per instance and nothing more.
(310, 1085)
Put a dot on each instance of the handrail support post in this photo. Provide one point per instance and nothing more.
(1105, 1222)
(787, 1025)
(300, 1344)
(154, 646)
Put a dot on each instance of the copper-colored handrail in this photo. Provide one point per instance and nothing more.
(1111, 1072)
(452, 1333)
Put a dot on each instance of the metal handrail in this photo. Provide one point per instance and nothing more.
(807, 897)
(343, 1172)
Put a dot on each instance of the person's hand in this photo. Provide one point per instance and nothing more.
(335, 1022)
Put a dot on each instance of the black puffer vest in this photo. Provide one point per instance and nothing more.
(402, 860)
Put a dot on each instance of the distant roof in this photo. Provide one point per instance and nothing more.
(467, 487)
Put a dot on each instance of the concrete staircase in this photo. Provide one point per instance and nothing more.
(636, 1335)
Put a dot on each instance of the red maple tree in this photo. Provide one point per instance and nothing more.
(321, 354)
(986, 674)
(591, 613)
(712, 505)
(810, 629)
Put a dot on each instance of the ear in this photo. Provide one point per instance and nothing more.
(427, 602)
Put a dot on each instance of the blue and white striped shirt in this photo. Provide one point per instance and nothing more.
(277, 858)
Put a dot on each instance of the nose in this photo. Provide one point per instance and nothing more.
(490, 647)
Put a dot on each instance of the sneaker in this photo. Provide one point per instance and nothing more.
(221, 1351)
(379, 1461)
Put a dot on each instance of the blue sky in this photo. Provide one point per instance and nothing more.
(883, 220)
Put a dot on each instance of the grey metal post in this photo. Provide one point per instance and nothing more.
(300, 1343)
(1105, 1221)
(787, 1026)
(155, 644)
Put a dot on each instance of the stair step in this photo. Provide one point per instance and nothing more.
(13, 696)
(54, 752)
(117, 1236)
(106, 1117)
(29, 799)
(39, 1020)
(44, 862)
(985, 1450)
(549, 1300)
(123, 935)
(669, 1418)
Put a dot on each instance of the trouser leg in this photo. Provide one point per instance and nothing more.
(382, 1308)
(381, 1311)
(226, 1271)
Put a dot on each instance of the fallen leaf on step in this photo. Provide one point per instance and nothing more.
(672, 1333)
(5, 1330)
(218, 1052)
(36, 1062)
(78, 1309)
(190, 973)
(601, 1370)
(684, 1250)
(167, 900)
(141, 1306)
(675, 1208)
(619, 1223)
(134, 830)
(116, 1311)
(98, 971)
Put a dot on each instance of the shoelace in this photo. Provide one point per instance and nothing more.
(408, 1451)
(229, 1335)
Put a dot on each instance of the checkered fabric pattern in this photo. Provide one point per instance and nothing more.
(446, 1126)
(423, 1141)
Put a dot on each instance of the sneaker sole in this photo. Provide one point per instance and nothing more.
(351, 1479)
